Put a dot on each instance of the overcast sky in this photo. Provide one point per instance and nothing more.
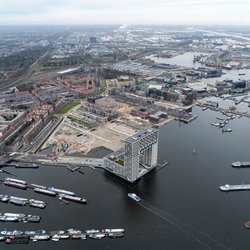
(125, 12)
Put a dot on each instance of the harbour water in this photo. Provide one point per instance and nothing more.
(181, 205)
(186, 60)
(181, 208)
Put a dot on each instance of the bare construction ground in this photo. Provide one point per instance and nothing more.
(71, 137)
(110, 135)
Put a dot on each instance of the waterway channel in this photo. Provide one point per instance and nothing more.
(186, 60)
(182, 207)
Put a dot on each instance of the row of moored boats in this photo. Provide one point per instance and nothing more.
(229, 187)
(51, 191)
(22, 201)
(223, 122)
(24, 237)
(13, 217)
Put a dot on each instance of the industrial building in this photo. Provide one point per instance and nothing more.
(137, 158)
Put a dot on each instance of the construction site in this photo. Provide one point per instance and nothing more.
(103, 122)
(69, 139)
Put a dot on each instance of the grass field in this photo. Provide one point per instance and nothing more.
(78, 120)
(102, 91)
(111, 84)
(68, 107)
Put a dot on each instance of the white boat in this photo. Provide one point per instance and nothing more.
(15, 232)
(4, 197)
(32, 218)
(73, 198)
(54, 239)
(118, 230)
(45, 191)
(16, 181)
(37, 203)
(8, 218)
(29, 232)
(58, 232)
(40, 237)
(97, 236)
(220, 118)
(74, 231)
(18, 201)
(81, 236)
(15, 184)
(215, 124)
(61, 191)
(36, 232)
(115, 235)
(14, 215)
(134, 197)
(92, 231)
(37, 186)
(57, 237)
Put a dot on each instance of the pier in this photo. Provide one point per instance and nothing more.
(223, 110)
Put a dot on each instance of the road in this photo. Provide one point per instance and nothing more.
(62, 161)
(222, 34)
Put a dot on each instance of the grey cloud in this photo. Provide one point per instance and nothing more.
(122, 11)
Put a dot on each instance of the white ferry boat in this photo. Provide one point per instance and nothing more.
(134, 197)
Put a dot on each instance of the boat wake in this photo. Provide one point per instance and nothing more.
(200, 237)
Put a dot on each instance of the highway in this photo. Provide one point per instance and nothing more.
(222, 34)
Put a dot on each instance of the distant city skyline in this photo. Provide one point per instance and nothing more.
(190, 12)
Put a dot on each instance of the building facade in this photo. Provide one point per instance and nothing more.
(137, 158)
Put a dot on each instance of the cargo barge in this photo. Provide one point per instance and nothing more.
(238, 164)
(229, 187)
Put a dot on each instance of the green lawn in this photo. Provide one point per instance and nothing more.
(68, 107)
(78, 120)
(102, 91)
(111, 84)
